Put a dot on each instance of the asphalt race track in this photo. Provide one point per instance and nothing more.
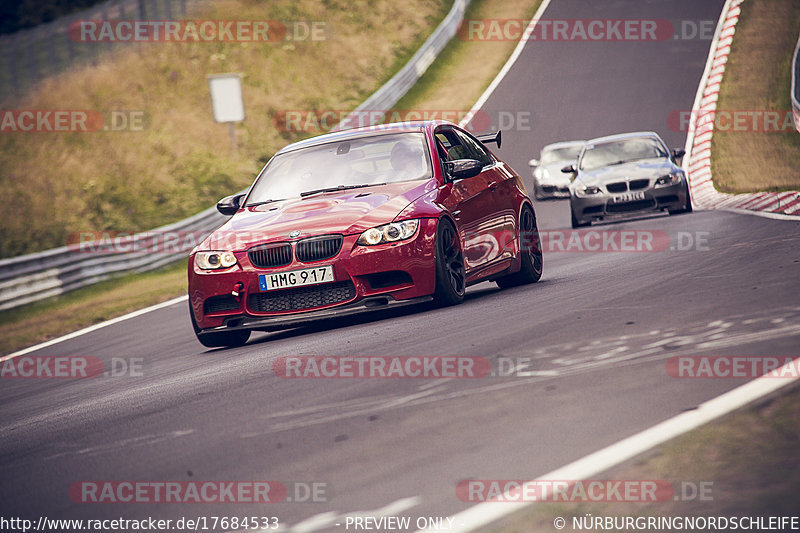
(598, 329)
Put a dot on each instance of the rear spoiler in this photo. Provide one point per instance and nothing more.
(491, 138)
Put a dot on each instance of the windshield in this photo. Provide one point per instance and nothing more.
(554, 155)
(617, 152)
(364, 161)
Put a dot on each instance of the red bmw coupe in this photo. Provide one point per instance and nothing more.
(358, 220)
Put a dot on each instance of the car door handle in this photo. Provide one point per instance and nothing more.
(456, 213)
(492, 185)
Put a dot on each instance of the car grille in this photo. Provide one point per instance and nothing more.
(318, 248)
(638, 205)
(302, 297)
(270, 255)
(623, 186)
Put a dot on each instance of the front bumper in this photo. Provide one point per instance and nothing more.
(601, 206)
(366, 278)
(552, 190)
(369, 303)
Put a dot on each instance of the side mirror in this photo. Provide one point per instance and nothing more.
(230, 204)
(463, 168)
(678, 153)
(533, 163)
(569, 169)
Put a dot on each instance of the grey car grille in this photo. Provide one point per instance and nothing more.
(624, 186)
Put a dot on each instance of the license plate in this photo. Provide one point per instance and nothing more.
(296, 278)
(628, 197)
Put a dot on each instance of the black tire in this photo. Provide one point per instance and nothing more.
(687, 208)
(450, 272)
(225, 339)
(531, 260)
(575, 223)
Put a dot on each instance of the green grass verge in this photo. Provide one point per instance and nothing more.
(758, 78)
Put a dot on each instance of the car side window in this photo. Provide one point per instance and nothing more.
(452, 144)
(475, 149)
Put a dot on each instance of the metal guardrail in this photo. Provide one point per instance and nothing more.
(796, 85)
(384, 98)
(30, 55)
(33, 277)
(40, 275)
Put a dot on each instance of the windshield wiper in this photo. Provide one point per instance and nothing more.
(261, 203)
(617, 162)
(339, 188)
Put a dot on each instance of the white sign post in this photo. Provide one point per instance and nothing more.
(226, 100)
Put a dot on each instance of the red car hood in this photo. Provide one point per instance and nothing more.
(349, 212)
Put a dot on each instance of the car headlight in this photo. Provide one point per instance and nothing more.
(669, 179)
(545, 175)
(395, 231)
(582, 192)
(214, 260)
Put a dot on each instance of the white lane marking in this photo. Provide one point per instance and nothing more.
(329, 519)
(593, 464)
(94, 327)
(507, 67)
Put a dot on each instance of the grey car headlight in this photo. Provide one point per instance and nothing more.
(583, 192)
(214, 260)
(669, 179)
(392, 232)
